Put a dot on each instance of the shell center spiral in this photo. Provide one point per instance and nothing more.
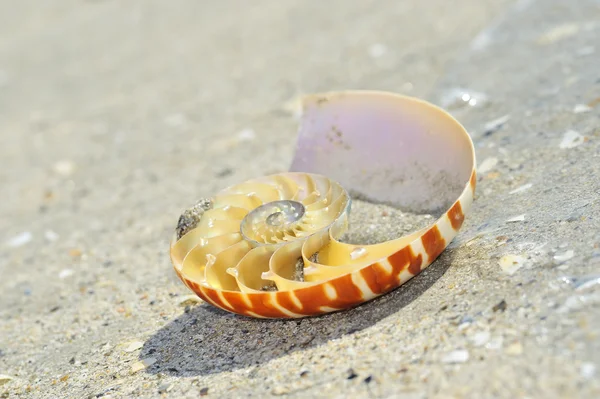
(273, 222)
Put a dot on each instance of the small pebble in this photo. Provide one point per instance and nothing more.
(521, 189)
(514, 349)
(51, 235)
(564, 256)
(495, 124)
(458, 356)
(142, 364)
(133, 346)
(511, 263)
(571, 139)
(106, 347)
(188, 300)
(351, 374)
(5, 378)
(481, 41)
(487, 165)
(581, 108)
(495, 343)
(204, 391)
(65, 273)
(377, 50)
(464, 325)
(480, 338)
(557, 33)
(500, 306)
(588, 370)
(246, 135)
(280, 390)
(20, 239)
(165, 387)
(75, 253)
(224, 172)
(518, 218)
(587, 283)
(102, 394)
(578, 302)
(64, 168)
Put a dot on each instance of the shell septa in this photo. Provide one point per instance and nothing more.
(247, 202)
(250, 268)
(184, 245)
(336, 257)
(282, 267)
(309, 191)
(208, 227)
(194, 263)
(217, 273)
(265, 192)
(227, 212)
(322, 201)
(287, 187)
(232, 271)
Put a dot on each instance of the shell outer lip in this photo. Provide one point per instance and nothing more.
(308, 157)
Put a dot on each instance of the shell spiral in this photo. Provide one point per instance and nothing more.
(269, 247)
(260, 235)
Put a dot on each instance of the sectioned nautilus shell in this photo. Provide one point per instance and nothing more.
(270, 247)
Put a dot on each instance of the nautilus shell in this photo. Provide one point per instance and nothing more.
(270, 247)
